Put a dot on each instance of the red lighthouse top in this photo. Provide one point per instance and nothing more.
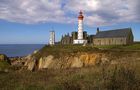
(80, 17)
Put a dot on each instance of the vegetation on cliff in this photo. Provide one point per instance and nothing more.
(4, 63)
(61, 50)
(132, 47)
(104, 77)
(120, 72)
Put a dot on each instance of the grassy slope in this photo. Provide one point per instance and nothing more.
(61, 50)
(121, 47)
(122, 76)
(4, 65)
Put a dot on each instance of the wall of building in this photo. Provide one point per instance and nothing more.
(66, 40)
(110, 41)
(130, 38)
(74, 35)
(85, 35)
(90, 39)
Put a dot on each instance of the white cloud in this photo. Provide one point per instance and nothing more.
(31, 11)
(106, 12)
(97, 12)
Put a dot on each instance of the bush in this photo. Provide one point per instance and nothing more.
(4, 65)
(120, 78)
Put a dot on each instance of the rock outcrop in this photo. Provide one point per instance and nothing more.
(77, 61)
(44, 62)
(4, 58)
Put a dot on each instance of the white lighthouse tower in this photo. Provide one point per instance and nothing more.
(52, 38)
(80, 39)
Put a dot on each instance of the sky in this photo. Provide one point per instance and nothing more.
(29, 21)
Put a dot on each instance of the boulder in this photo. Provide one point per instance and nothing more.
(77, 63)
(45, 62)
(35, 51)
(4, 58)
(30, 64)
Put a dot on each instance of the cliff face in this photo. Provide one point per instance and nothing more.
(82, 59)
(79, 60)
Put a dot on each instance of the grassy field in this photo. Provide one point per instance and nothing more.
(4, 65)
(60, 50)
(104, 77)
(135, 46)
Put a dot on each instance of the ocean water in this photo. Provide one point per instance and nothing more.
(13, 50)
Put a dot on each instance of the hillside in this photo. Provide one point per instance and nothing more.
(121, 76)
(60, 50)
(73, 56)
(74, 67)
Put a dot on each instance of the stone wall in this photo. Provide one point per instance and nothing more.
(66, 40)
(110, 41)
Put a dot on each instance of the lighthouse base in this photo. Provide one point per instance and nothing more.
(78, 41)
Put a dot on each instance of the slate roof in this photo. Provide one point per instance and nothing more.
(113, 33)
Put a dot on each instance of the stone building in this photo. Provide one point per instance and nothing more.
(90, 39)
(68, 39)
(74, 35)
(113, 37)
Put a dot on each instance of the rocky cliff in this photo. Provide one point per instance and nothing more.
(79, 59)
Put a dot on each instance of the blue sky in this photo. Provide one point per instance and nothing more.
(29, 21)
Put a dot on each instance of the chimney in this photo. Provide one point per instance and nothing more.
(98, 30)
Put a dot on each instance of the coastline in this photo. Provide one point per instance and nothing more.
(19, 50)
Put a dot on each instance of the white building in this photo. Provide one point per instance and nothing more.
(52, 38)
(80, 39)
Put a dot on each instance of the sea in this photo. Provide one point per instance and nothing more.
(19, 50)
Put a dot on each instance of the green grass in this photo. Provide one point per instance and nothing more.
(105, 77)
(4, 65)
(101, 77)
(60, 50)
(135, 46)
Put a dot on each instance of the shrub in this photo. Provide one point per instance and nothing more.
(120, 78)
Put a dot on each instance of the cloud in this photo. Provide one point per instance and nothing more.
(97, 12)
(31, 11)
(106, 12)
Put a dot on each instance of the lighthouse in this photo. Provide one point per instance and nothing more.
(80, 25)
(52, 38)
(80, 39)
